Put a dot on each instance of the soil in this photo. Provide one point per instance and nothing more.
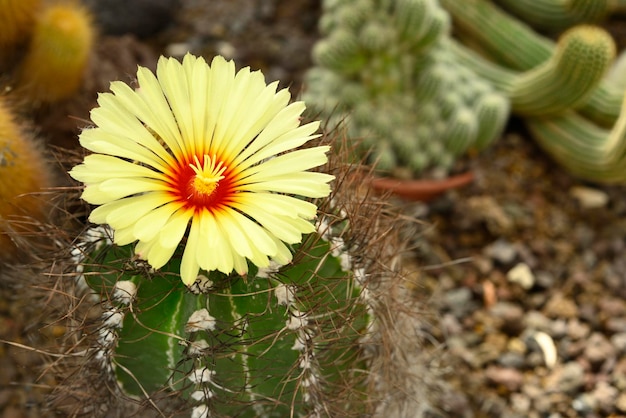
(524, 269)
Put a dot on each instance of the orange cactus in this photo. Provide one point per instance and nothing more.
(16, 20)
(55, 61)
(23, 170)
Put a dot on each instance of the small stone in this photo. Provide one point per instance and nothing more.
(511, 379)
(545, 279)
(511, 316)
(520, 403)
(614, 325)
(501, 251)
(560, 306)
(512, 360)
(566, 379)
(589, 198)
(604, 396)
(598, 349)
(577, 330)
(584, 404)
(522, 275)
(537, 321)
(548, 349)
(619, 342)
(459, 301)
(620, 403)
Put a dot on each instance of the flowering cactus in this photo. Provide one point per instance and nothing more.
(233, 297)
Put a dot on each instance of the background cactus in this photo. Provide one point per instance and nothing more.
(384, 68)
(427, 98)
(57, 55)
(576, 118)
(16, 20)
(24, 171)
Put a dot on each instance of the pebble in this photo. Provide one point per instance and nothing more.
(512, 359)
(501, 251)
(511, 316)
(535, 320)
(510, 378)
(619, 342)
(589, 198)
(605, 396)
(560, 306)
(522, 275)
(620, 403)
(577, 330)
(598, 349)
(567, 378)
(459, 301)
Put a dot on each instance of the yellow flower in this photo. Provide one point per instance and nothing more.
(203, 152)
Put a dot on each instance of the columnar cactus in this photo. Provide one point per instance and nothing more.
(384, 68)
(575, 114)
(557, 15)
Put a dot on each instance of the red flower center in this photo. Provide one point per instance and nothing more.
(203, 185)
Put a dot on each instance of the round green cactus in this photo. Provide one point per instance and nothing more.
(278, 341)
(404, 95)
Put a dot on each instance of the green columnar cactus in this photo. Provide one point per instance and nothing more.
(566, 80)
(574, 107)
(585, 149)
(515, 45)
(556, 15)
(384, 69)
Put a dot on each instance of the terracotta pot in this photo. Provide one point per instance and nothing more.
(420, 189)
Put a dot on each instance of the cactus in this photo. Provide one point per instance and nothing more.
(576, 112)
(557, 15)
(515, 45)
(57, 55)
(24, 171)
(16, 20)
(385, 69)
(279, 341)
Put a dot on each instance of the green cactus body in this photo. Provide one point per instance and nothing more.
(556, 15)
(582, 58)
(514, 45)
(277, 342)
(585, 149)
(510, 42)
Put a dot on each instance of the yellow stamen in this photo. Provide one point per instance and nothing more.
(207, 175)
